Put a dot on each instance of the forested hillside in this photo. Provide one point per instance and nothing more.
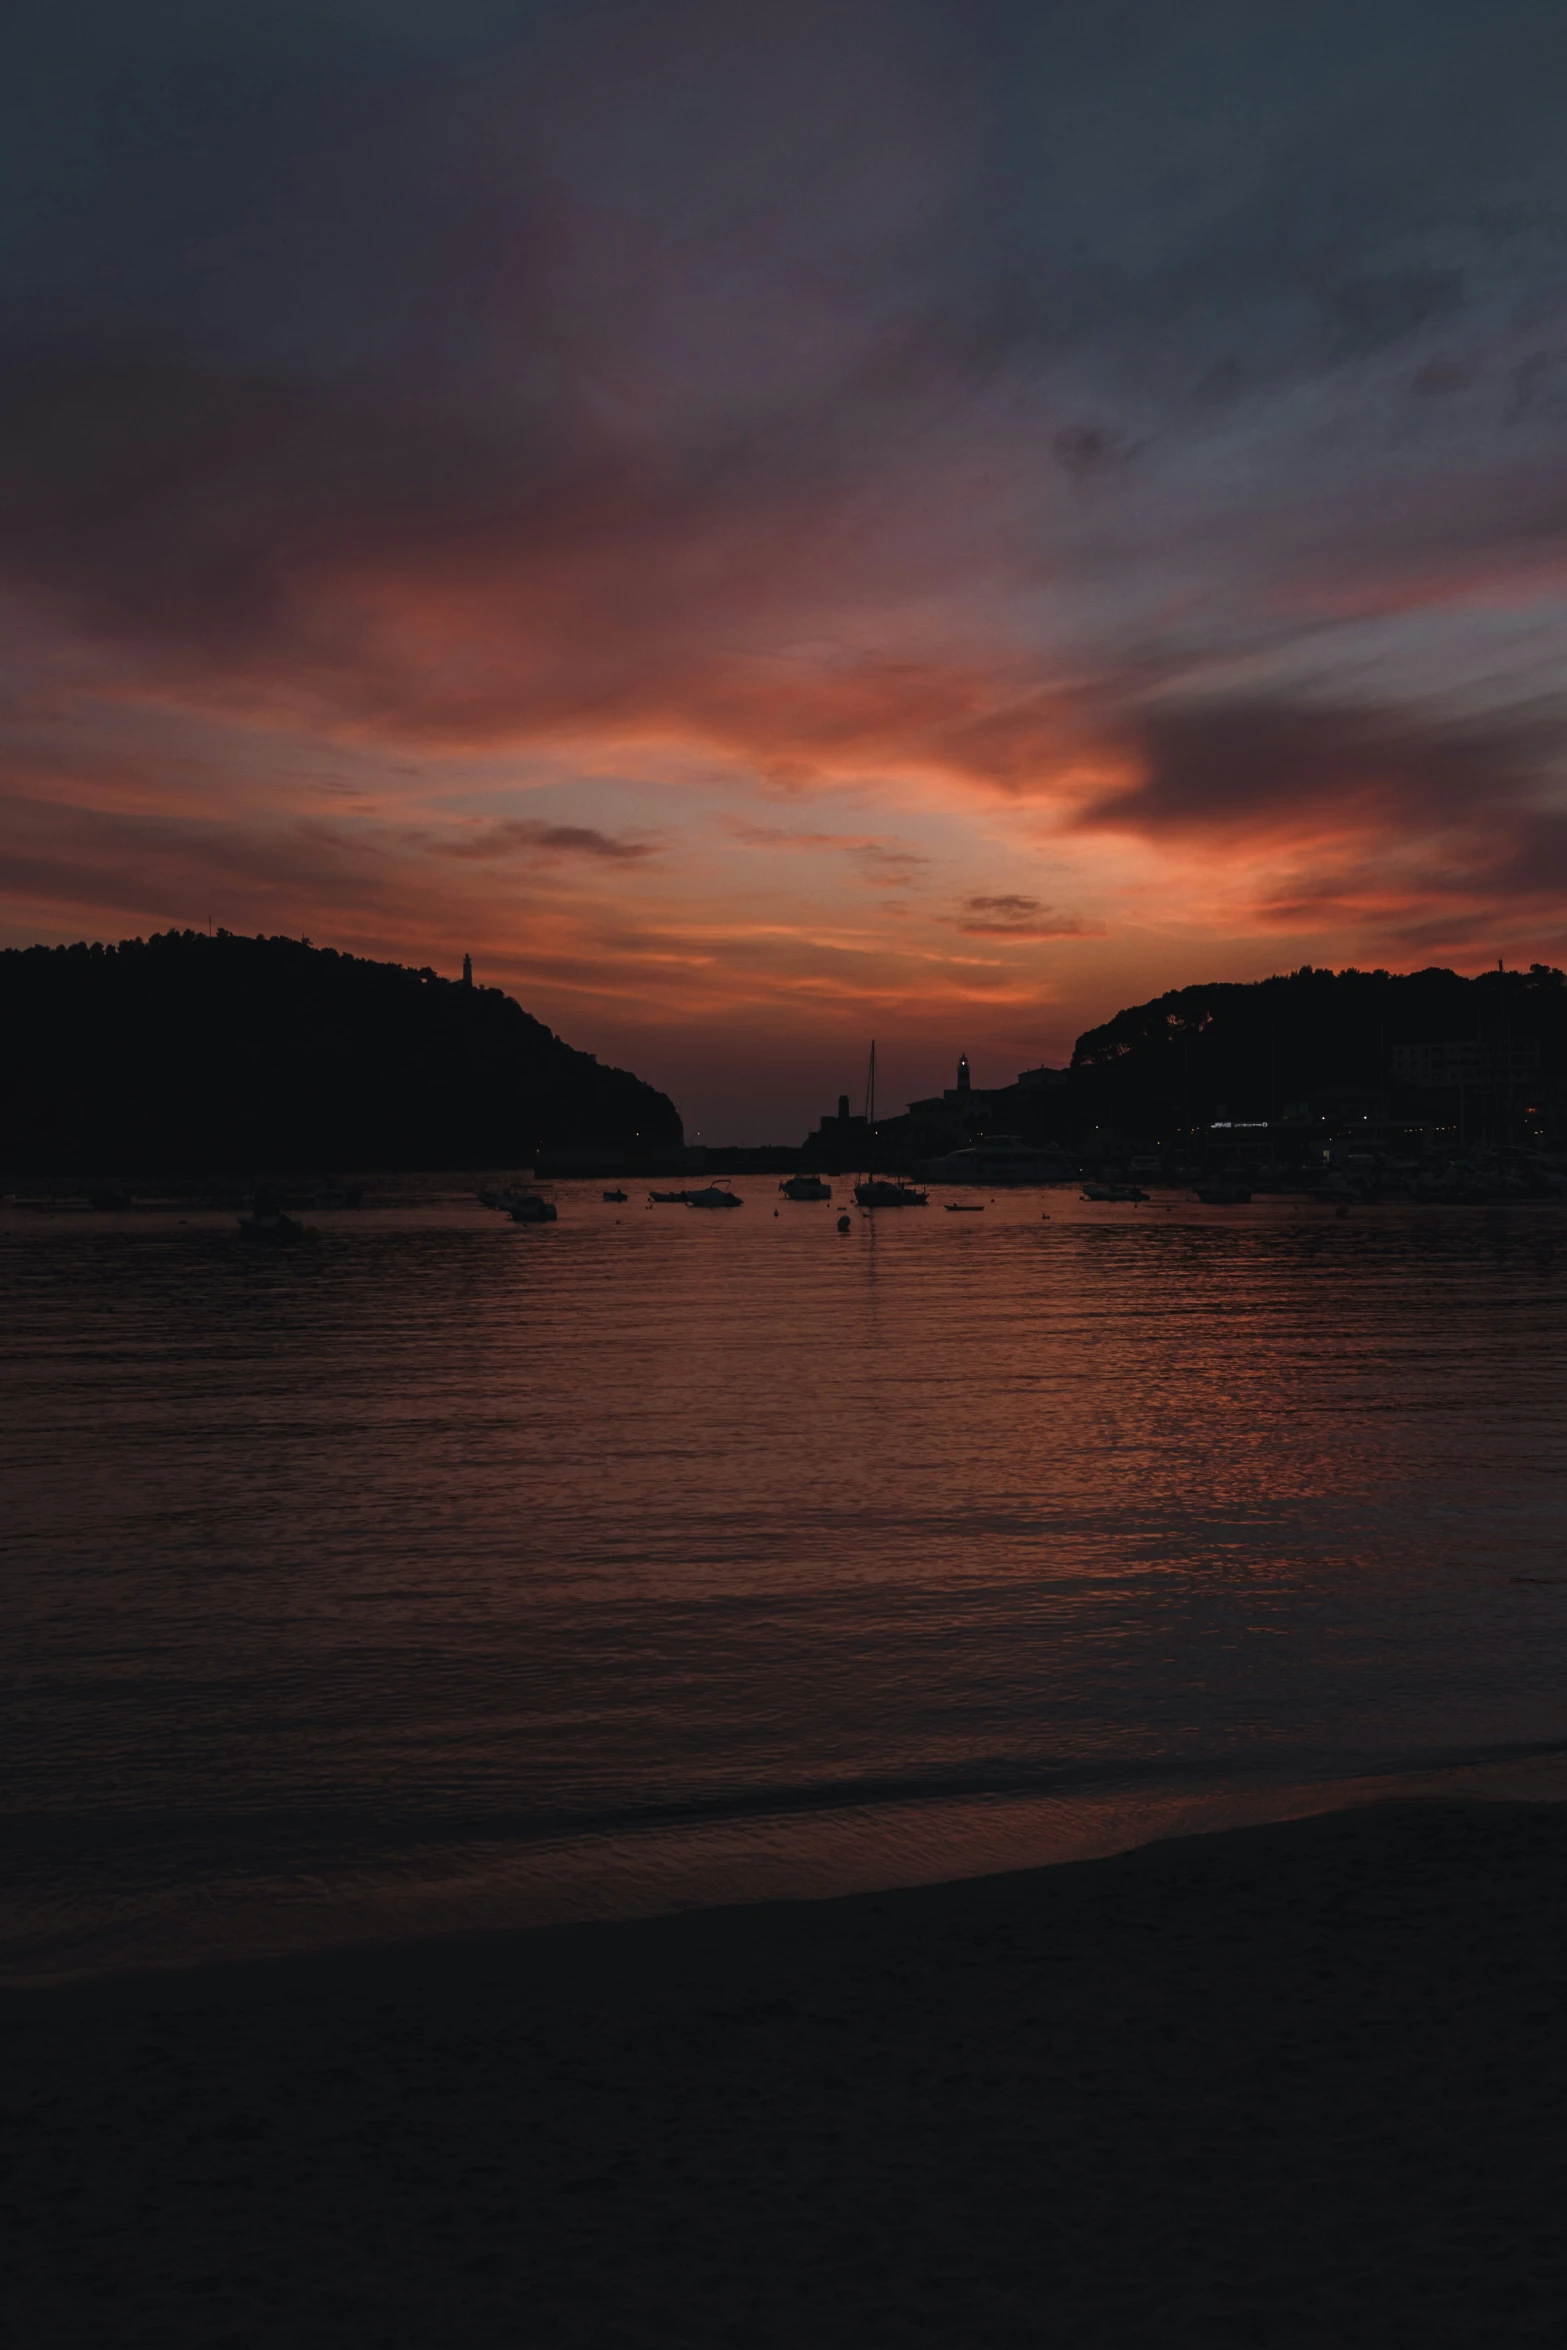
(226, 1053)
(1250, 1050)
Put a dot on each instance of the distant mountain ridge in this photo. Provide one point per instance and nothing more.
(233, 1054)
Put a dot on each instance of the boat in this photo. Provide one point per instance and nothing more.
(618, 1197)
(670, 1199)
(876, 1191)
(965, 1207)
(806, 1187)
(529, 1208)
(1224, 1195)
(716, 1195)
(999, 1159)
(277, 1231)
(268, 1224)
(504, 1200)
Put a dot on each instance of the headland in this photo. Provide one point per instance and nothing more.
(241, 1056)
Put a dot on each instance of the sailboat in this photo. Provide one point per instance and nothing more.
(874, 1191)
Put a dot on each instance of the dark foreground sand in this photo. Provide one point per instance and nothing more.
(1292, 2085)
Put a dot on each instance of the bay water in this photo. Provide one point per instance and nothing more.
(446, 1575)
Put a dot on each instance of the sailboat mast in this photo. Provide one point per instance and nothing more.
(870, 1115)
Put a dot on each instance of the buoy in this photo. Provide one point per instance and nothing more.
(843, 1223)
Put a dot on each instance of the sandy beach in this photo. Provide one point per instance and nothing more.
(1298, 2085)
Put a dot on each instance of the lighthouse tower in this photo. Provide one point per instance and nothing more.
(963, 1076)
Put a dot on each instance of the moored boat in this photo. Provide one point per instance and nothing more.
(715, 1195)
(877, 1192)
(529, 1208)
(999, 1159)
(276, 1231)
(268, 1224)
(806, 1187)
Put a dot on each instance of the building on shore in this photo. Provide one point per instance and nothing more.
(961, 1114)
(838, 1145)
(978, 1106)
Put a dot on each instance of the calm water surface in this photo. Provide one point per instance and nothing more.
(451, 1575)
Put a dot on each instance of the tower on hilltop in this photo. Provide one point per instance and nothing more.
(963, 1076)
(467, 970)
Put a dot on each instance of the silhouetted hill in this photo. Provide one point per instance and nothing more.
(1305, 1056)
(237, 1054)
(1316, 1036)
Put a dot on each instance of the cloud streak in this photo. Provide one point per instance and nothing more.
(522, 836)
(1011, 916)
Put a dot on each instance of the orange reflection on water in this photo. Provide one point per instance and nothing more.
(453, 1573)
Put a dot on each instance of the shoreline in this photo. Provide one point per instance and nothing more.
(1298, 2083)
(993, 1844)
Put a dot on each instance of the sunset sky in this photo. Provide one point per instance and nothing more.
(773, 525)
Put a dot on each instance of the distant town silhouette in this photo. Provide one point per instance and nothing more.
(1271, 1077)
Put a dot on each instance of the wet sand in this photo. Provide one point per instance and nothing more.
(1302, 2085)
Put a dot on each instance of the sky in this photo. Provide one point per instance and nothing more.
(776, 525)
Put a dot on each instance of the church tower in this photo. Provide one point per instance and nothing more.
(963, 1077)
(467, 970)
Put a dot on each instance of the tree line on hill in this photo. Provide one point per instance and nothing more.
(1340, 1042)
(184, 1052)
